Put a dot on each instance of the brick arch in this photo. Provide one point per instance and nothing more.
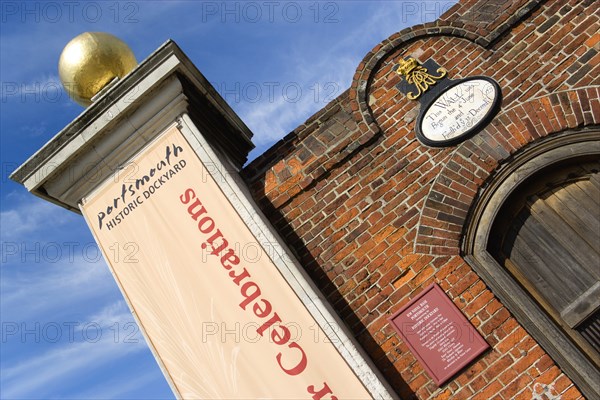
(444, 214)
(361, 81)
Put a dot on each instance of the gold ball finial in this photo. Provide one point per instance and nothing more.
(92, 60)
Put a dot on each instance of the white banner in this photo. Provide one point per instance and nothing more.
(222, 320)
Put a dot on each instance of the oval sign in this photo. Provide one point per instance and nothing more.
(459, 112)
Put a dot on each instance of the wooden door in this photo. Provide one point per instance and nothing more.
(548, 237)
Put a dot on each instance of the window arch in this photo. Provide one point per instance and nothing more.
(516, 239)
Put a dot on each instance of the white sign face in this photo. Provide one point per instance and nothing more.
(458, 111)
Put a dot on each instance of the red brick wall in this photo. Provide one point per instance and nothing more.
(374, 216)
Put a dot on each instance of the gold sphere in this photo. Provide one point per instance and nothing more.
(92, 60)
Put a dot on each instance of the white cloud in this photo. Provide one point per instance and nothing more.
(32, 377)
(45, 88)
(48, 260)
(271, 120)
(316, 70)
(49, 290)
(61, 283)
(32, 215)
(121, 387)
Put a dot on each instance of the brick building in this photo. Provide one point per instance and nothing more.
(504, 217)
(506, 221)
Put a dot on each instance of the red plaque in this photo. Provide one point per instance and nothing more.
(438, 334)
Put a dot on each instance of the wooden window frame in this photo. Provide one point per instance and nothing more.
(536, 157)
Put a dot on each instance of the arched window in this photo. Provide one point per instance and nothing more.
(534, 237)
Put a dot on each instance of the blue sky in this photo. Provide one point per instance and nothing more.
(66, 331)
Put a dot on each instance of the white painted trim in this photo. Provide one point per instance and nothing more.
(100, 125)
